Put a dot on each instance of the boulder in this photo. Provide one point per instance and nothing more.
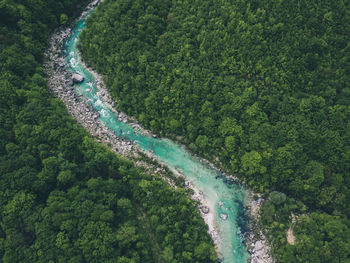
(205, 209)
(77, 78)
(223, 216)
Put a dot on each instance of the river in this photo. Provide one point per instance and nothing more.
(226, 201)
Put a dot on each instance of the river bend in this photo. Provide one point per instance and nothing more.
(225, 200)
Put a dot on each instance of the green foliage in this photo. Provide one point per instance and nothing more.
(202, 141)
(260, 84)
(63, 19)
(329, 241)
(251, 163)
(277, 198)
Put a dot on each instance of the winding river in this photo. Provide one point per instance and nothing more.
(225, 200)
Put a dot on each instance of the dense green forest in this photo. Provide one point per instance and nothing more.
(263, 85)
(63, 197)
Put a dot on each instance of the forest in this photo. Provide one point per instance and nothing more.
(64, 197)
(263, 86)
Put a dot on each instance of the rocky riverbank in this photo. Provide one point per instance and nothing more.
(257, 245)
(255, 241)
(60, 80)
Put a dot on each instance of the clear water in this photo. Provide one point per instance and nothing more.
(215, 191)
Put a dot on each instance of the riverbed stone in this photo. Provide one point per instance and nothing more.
(223, 216)
(205, 209)
(77, 78)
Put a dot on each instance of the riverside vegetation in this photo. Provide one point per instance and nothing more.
(262, 85)
(64, 197)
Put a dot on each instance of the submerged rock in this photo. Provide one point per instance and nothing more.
(223, 216)
(77, 78)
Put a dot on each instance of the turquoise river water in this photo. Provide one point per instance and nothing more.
(222, 197)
